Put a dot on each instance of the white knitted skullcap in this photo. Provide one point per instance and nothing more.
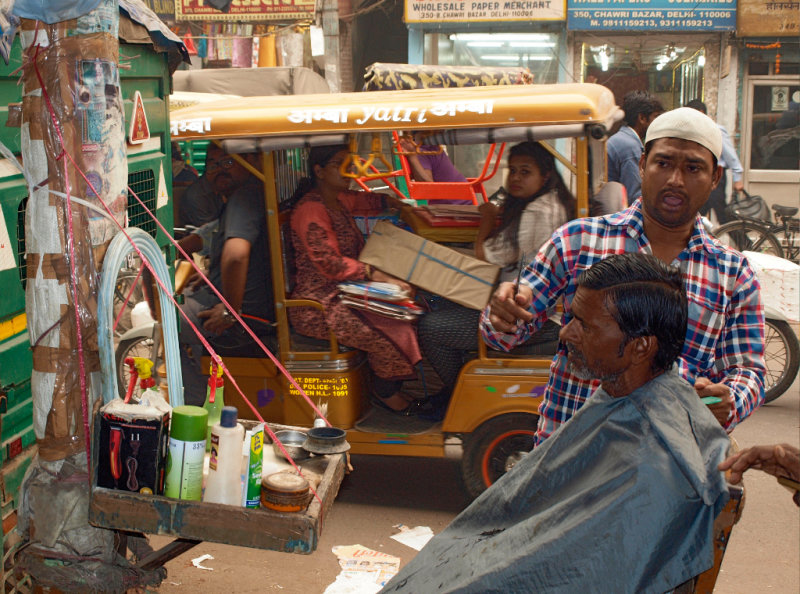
(687, 124)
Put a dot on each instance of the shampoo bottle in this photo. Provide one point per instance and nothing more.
(224, 480)
(214, 400)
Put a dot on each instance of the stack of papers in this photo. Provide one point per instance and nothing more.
(450, 215)
(385, 299)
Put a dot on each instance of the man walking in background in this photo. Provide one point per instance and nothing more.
(626, 146)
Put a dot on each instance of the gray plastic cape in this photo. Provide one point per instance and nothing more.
(622, 498)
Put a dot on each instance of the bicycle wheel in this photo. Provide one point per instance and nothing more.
(141, 346)
(781, 356)
(790, 242)
(749, 236)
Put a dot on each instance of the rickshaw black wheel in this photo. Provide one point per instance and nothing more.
(781, 356)
(494, 447)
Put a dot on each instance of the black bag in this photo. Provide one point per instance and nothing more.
(745, 206)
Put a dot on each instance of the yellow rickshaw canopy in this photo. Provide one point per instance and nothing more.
(424, 109)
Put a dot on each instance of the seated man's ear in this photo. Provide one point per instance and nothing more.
(643, 349)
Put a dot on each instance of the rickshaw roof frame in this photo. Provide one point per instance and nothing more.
(305, 120)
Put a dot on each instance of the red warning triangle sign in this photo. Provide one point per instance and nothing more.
(140, 130)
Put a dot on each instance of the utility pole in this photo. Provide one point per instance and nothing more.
(73, 145)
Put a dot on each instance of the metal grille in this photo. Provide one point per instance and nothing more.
(23, 263)
(290, 167)
(143, 183)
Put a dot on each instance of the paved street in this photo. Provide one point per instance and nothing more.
(762, 557)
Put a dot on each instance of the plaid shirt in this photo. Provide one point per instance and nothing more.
(725, 333)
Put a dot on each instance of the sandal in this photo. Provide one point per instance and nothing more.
(411, 410)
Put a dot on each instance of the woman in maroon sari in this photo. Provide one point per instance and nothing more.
(327, 242)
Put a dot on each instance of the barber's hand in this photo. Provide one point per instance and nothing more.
(777, 460)
(216, 320)
(722, 410)
(382, 277)
(506, 308)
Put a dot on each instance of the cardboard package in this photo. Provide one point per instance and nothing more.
(430, 266)
(131, 447)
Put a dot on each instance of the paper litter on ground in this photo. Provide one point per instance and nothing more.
(416, 537)
(198, 562)
(364, 571)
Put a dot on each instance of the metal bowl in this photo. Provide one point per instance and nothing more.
(326, 440)
(293, 442)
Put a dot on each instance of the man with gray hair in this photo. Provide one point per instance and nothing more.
(723, 354)
(623, 497)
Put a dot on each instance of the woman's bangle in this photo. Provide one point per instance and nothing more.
(368, 271)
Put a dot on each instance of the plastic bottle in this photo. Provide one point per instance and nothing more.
(214, 400)
(186, 453)
(151, 395)
(224, 479)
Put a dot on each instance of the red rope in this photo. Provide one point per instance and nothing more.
(127, 299)
(165, 291)
(72, 273)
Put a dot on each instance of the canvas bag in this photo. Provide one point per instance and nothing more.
(745, 206)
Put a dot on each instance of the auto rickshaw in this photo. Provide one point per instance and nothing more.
(492, 414)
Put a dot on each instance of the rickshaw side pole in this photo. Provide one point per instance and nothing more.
(582, 175)
(275, 254)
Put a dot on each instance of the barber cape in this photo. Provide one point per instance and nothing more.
(622, 498)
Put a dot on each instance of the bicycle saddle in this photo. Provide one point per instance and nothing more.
(784, 211)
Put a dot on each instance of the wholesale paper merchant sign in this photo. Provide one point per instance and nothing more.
(651, 15)
(245, 10)
(452, 11)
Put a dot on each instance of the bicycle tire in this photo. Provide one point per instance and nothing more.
(140, 346)
(790, 242)
(749, 236)
(781, 356)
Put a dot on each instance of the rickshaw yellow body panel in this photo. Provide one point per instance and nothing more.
(260, 382)
(338, 391)
(488, 388)
(278, 401)
(422, 445)
(425, 109)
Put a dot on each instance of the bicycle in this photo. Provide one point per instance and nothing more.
(781, 239)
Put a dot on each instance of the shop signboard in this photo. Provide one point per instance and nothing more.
(651, 15)
(757, 18)
(245, 10)
(460, 11)
(164, 9)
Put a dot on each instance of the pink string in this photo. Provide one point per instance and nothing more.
(72, 273)
(127, 300)
(165, 291)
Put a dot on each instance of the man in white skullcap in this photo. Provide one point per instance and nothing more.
(723, 355)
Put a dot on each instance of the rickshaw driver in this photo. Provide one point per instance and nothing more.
(238, 270)
(726, 319)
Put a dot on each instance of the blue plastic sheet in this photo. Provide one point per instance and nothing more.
(53, 11)
(622, 498)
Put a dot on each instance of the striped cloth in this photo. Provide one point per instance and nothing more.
(725, 334)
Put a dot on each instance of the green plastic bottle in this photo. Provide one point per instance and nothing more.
(214, 400)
